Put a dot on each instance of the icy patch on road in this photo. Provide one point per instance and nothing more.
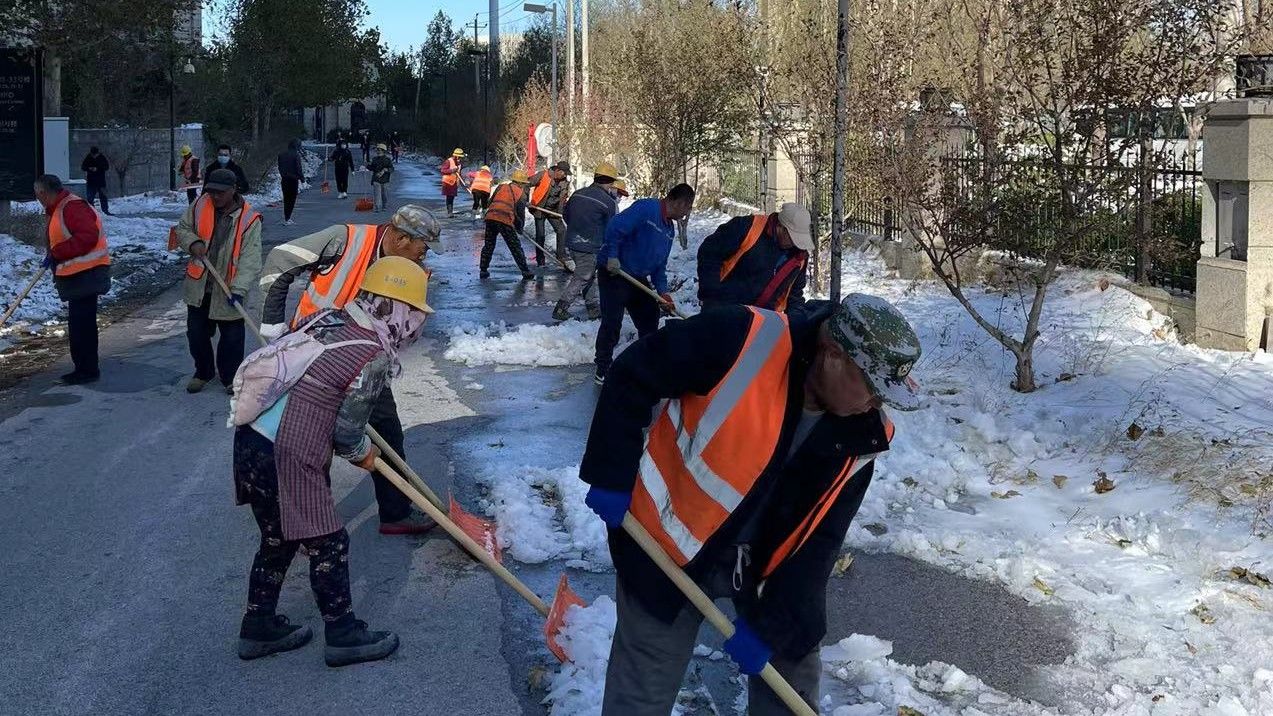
(542, 516)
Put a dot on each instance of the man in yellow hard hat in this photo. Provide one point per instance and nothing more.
(586, 216)
(506, 216)
(451, 178)
(283, 450)
(336, 259)
(189, 173)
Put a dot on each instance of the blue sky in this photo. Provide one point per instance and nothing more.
(402, 22)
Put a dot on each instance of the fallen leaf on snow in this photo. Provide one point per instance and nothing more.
(1103, 485)
(876, 528)
(1134, 431)
(1059, 481)
(1043, 587)
(1192, 649)
(908, 711)
(1005, 495)
(842, 564)
(910, 482)
(1242, 573)
(1203, 612)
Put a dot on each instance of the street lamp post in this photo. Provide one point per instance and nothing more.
(172, 114)
(536, 8)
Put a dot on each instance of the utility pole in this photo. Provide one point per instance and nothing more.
(477, 73)
(556, 89)
(583, 51)
(570, 62)
(837, 169)
(492, 49)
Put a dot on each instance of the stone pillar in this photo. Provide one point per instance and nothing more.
(1235, 271)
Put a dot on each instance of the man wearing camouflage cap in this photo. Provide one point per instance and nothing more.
(765, 428)
(336, 259)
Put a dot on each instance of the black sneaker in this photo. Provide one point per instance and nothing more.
(352, 643)
(560, 313)
(599, 378)
(527, 276)
(483, 274)
(265, 634)
(75, 377)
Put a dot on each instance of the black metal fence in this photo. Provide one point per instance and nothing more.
(1143, 221)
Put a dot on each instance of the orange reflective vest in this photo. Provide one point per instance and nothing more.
(454, 177)
(337, 284)
(205, 223)
(503, 206)
(704, 453)
(481, 181)
(758, 224)
(541, 189)
(188, 170)
(58, 232)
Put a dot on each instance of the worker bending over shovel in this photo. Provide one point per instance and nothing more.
(336, 259)
(287, 429)
(757, 459)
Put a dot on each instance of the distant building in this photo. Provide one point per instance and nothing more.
(188, 23)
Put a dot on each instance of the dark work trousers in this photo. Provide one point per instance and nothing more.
(481, 200)
(257, 480)
(81, 333)
(191, 194)
(494, 230)
(99, 192)
(617, 295)
(199, 332)
(393, 504)
(559, 229)
(290, 189)
(648, 658)
(342, 180)
(450, 205)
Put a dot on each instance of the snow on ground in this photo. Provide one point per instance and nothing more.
(542, 517)
(140, 243)
(574, 342)
(1164, 573)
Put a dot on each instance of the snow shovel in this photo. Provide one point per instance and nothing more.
(326, 186)
(14, 306)
(714, 615)
(540, 246)
(550, 212)
(671, 307)
(479, 529)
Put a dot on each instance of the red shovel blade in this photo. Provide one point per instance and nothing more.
(562, 601)
(479, 530)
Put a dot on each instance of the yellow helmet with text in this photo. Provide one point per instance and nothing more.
(400, 279)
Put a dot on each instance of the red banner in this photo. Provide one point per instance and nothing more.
(532, 151)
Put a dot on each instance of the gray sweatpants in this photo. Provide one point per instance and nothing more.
(380, 195)
(649, 656)
(583, 282)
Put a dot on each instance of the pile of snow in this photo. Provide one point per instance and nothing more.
(576, 689)
(542, 516)
(18, 265)
(173, 203)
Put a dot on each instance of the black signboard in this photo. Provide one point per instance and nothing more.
(21, 122)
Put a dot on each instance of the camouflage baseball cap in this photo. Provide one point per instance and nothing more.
(882, 343)
(419, 223)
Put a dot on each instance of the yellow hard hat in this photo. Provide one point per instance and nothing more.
(458, 152)
(185, 150)
(606, 169)
(485, 168)
(621, 186)
(519, 177)
(400, 279)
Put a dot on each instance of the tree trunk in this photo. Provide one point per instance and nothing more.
(256, 125)
(1024, 382)
(52, 85)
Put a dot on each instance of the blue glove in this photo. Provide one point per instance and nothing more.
(234, 299)
(48, 261)
(746, 649)
(610, 505)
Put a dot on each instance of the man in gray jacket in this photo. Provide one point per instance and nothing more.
(586, 217)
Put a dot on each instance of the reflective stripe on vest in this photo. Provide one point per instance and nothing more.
(205, 223)
(338, 284)
(758, 223)
(541, 189)
(481, 181)
(796, 539)
(453, 178)
(703, 454)
(503, 206)
(58, 233)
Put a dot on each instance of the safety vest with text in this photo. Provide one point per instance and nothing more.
(454, 177)
(58, 233)
(337, 284)
(778, 290)
(204, 218)
(503, 206)
(481, 181)
(704, 453)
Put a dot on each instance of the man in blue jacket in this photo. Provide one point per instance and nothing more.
(637, 242)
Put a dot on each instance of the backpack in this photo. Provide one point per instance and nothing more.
(273, 369)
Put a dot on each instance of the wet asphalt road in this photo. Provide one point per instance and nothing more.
(126, 559)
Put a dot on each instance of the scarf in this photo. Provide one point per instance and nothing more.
(396, 324)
